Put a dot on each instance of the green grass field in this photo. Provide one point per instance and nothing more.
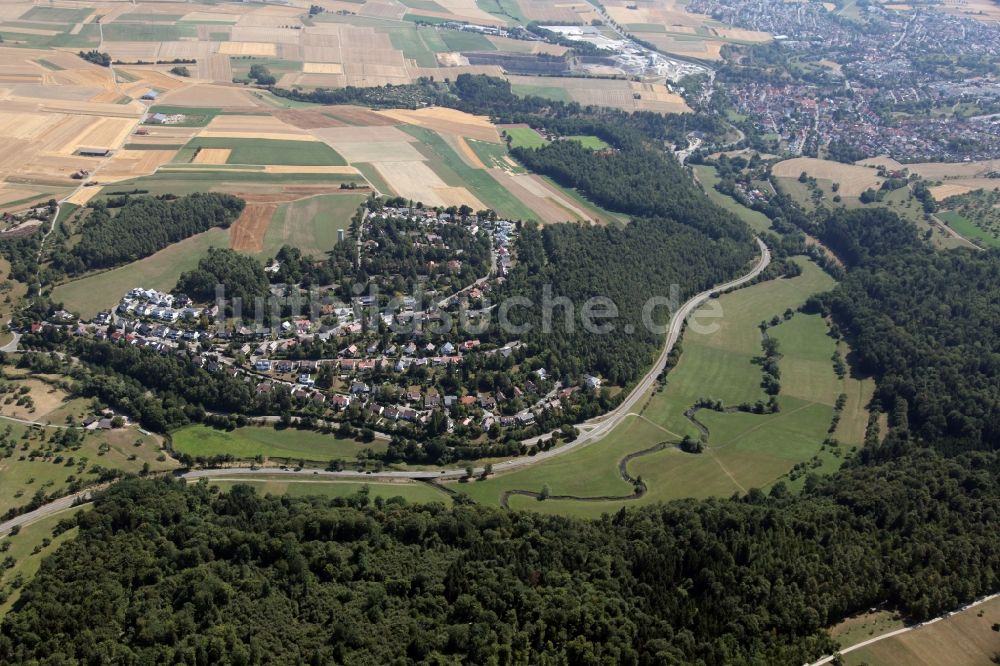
(744, 450)
(139, 32)
(49, 474)
(220, 179)
(592, 142)
(554, 93)
(56, 14)
(466, 41)
(241, 66)
(524, 137)
(968, 228)
(267, 151)
(27, 561)
(253, 441)
(506, 9)
(455, 172)
(412, 491)
(708, 177)
(94, 293)
(420, 44)
(311, 224)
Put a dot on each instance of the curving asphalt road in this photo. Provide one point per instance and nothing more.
(593, 429)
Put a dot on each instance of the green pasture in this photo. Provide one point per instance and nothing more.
(270, 151)
(311, 224)
(253, 441)
(411, 491)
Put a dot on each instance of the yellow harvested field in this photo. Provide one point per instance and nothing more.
(466, 10)
(253, 125)
(133, 51)
(264, 35)
(276, 136)
(35, 31)
(656, 97)
(853, 179)
(211, 17)
(378, 151)
(209, 95)
(462, 148)
(104, 133)
(13, 10)
(560, 12)
(150, 78)
(449, 121)
(14, 192)
(131, 163)
(705, 49)
(979, 10)
(247, 48)
(83, 195)
(417, 181)
(322, 68)
(212, 156)
(881, 161)
(288, 168)
(947, 170)
(193, 50)
(940, 192)
(363, 134)
(742, 35)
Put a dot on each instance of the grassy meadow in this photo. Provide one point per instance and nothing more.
(271, 151)
(311, 224)
(101, 291)
(744, 450)
(411, 491)
(33, 543)
(39, 465)
(253, 441)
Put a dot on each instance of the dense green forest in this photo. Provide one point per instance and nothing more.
(161, 573)
(242, 278)
(129, 228)
(628, 265)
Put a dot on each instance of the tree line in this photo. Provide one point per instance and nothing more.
(164, 572)
(128, 228)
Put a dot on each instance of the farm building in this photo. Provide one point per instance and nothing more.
(93, 152)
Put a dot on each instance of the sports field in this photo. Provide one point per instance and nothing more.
(524, 137)
(253, 441)
(411, 491)
(592, 142)
(744, 450)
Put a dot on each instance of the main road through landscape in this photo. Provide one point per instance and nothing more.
(592, 430)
